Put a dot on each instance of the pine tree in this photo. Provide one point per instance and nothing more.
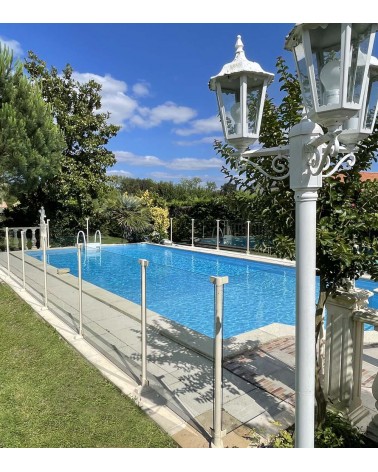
(30, 141)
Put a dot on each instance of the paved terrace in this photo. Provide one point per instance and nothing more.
(259, 366)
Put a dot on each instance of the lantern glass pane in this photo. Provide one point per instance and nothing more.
(326, 54)
(359, 50)
(232, 108)
(303, 76)
(253, 107)
(371, 104)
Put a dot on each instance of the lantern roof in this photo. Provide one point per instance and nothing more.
(240, 65)
(295, 35)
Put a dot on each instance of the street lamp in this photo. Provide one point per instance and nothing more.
(240, 87)
(332, 64)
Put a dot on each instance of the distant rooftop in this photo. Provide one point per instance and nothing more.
(369, 176)
(364, 176)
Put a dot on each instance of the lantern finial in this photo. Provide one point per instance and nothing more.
(239, 46)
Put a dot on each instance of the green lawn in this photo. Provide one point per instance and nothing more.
(50, 396)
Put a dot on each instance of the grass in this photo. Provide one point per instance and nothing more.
(51, 397)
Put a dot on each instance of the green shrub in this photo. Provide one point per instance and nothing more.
(337, 432)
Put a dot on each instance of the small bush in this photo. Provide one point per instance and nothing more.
(336, 432)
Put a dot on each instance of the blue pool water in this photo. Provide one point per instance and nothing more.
(179, 287)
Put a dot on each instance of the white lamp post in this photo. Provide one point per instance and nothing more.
(332, 62)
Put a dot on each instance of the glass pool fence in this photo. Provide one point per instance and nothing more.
(176, 363)
(246, 236)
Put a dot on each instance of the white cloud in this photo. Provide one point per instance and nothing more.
(194, 142)
(193, 163)
(114, 97)
(169, 111)
(167, 176)
(141, 89)
(202, 126)
(135, 160)
(181, 163)
(14, 45)
(122, 173)
(109, 84)
(126, 110)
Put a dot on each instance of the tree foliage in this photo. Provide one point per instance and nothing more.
(158, 214)
(72, 193)
(186, 189)
(132, 216)
(30, 143)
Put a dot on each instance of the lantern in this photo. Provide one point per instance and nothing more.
(241, 87)
(332, 64)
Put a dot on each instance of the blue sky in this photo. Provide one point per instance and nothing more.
(155, 82)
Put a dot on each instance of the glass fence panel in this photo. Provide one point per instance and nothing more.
(231, 235)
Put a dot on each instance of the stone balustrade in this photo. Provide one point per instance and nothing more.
(30, 235)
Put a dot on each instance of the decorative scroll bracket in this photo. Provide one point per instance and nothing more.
(319, 153)
(322, 149)
(278, 153)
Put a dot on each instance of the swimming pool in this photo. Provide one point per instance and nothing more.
(179, 288)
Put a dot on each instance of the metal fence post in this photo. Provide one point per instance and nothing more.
(43, 237)
(171, 220)
(80, 281)
(48, 233)
(192, 232)
(23, 258)
(144, 264)
(7, 243)
(218, 235)
(248, 223)
(217, 431)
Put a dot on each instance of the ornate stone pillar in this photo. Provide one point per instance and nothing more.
(34, 239)
(15, 239)
(343, 351)
(373, 426)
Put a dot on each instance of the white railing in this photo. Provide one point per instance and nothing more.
(29, 232)
(78, 237)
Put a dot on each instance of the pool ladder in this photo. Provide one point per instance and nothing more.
(95, 246)
(78, 237)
